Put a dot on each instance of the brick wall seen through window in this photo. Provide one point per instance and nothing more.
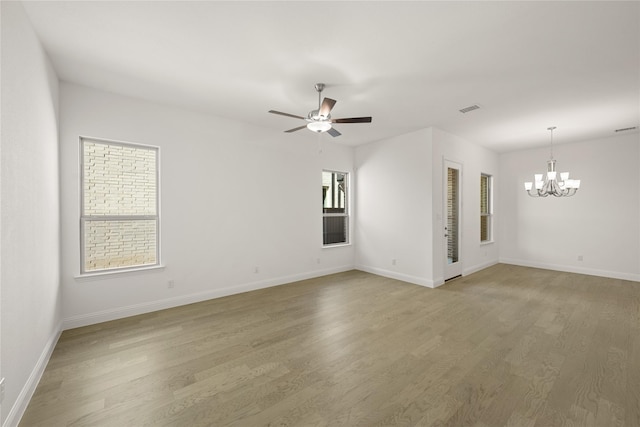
(119, 217)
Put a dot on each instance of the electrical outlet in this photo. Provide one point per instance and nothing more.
(256, 270)
(317, 260)
(1, 389)
(579, 257)
(170, 284)
(393, 261)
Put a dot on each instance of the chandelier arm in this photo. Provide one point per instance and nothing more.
(536, 193)
(548, 187)
(555, 188)
(566, 192)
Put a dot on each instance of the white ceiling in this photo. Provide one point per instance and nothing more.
(410, 65)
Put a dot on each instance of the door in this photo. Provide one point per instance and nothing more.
(452, 213)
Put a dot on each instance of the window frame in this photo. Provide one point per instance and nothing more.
(346, 213)
(85, 218)
(489, 202)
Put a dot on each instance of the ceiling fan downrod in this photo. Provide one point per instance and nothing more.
(319, 88)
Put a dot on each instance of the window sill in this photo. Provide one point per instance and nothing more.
(115, 273)
(490, 242)
(336, 245)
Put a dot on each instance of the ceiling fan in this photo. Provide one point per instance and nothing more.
(320, 120)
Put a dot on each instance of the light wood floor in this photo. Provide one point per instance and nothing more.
(508, 346)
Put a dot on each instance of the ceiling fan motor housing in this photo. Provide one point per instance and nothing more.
(316, 116)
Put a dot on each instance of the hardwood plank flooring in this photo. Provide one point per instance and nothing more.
(507, 346)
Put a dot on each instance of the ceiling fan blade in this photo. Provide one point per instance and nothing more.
(352, 120)
(295, 129)
(333, 132)
(327, 105)
(286, 114)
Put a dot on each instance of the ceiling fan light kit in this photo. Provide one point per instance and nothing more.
(319, 126)
(320, 120)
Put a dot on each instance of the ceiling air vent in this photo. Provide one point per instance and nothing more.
(469, 108)
(626, 129)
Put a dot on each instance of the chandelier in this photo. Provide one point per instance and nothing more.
(549, 184)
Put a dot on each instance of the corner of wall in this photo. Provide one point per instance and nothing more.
(20, 406)
(31, 311)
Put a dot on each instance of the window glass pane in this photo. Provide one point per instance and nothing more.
(334, 192)
(452, 215)
(334, 229)
(119, 179)
(484, 228)
(484, 194)
(119, 243)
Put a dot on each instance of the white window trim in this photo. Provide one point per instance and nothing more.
(83, 218)
(106, 274)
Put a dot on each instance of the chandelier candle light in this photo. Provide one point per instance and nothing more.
(549, 184)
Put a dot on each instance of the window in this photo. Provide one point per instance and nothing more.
(486, 209)
(119, 222)
(335, 212)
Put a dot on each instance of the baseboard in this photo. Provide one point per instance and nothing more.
(572, 269)
(148, 307)
(20, 406)
(396, 275)
(437, 282)
(467, 271)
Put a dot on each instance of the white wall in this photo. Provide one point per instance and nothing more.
(400, 205)
(601, 222)
(475, 160)
(31, 300)
(233, 197)
(393, 202)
